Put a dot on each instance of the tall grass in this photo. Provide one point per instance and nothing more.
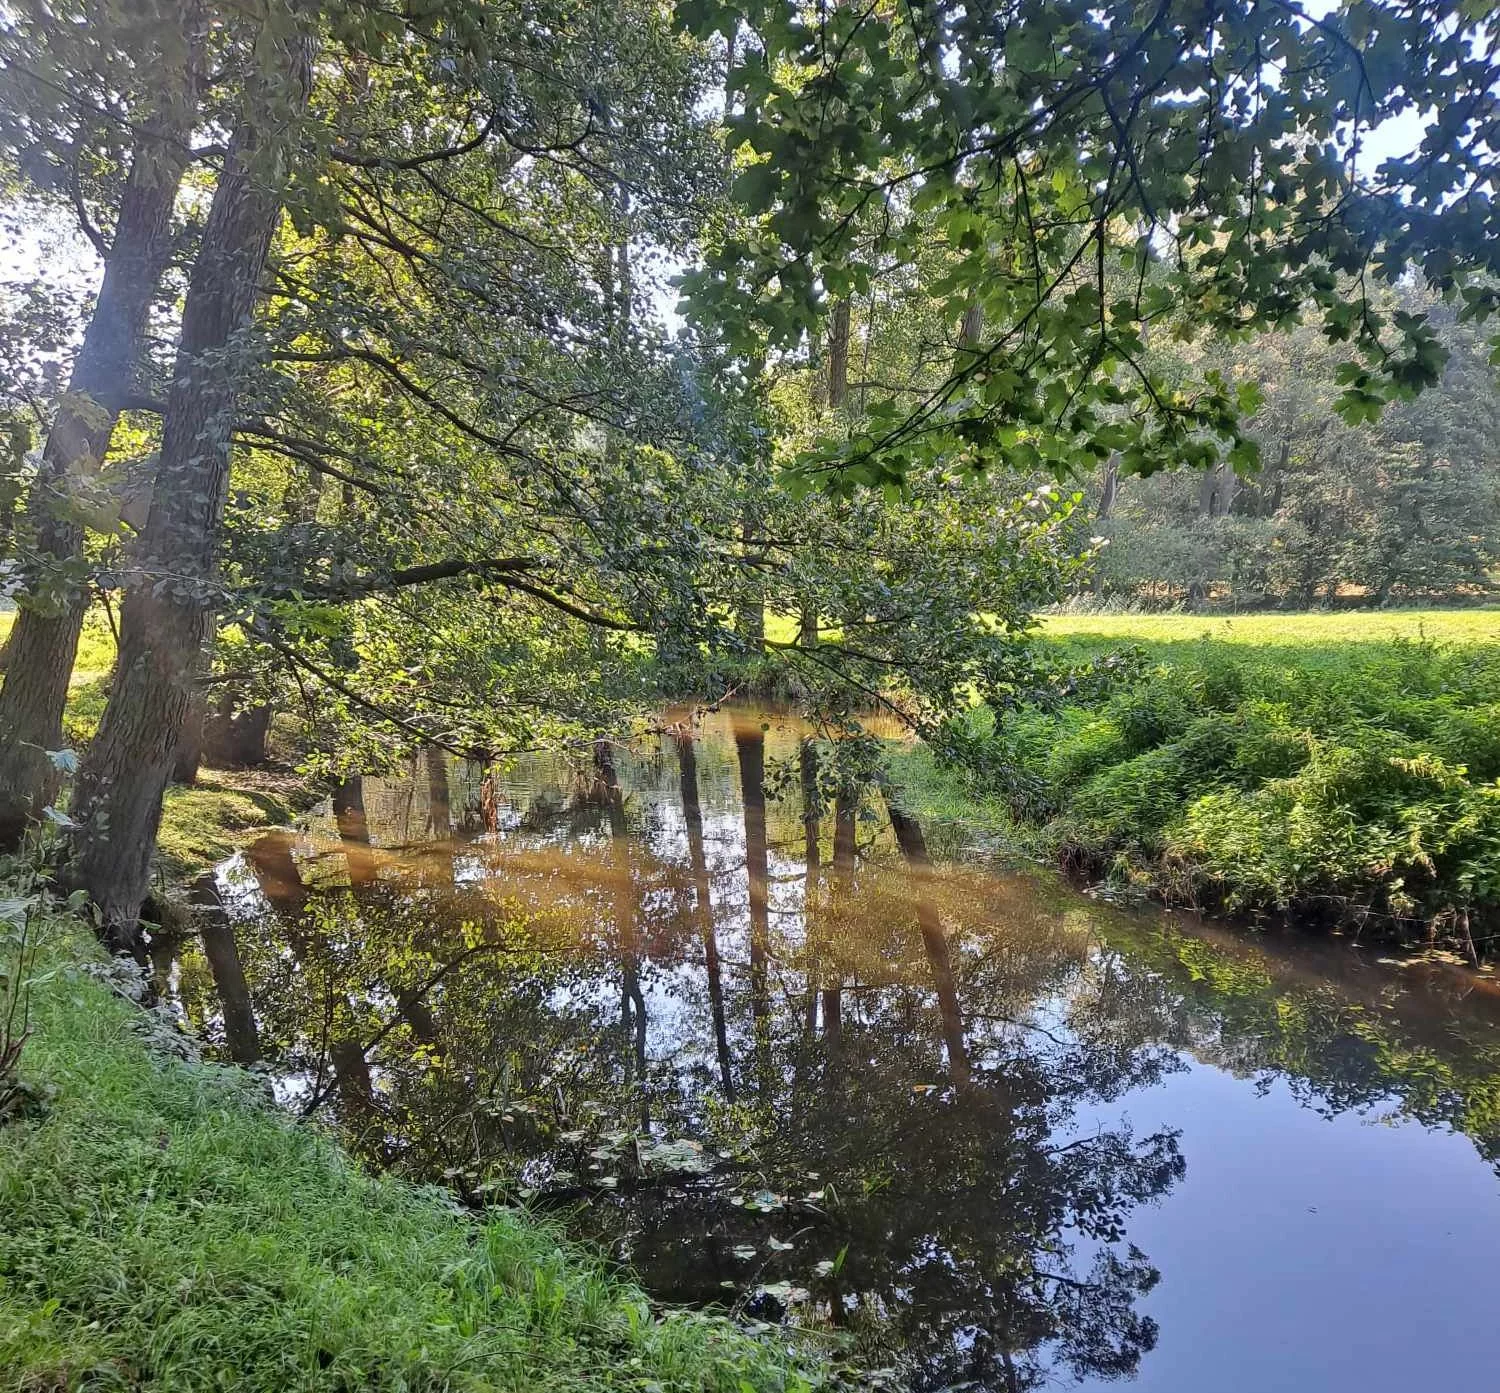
(164, 1227)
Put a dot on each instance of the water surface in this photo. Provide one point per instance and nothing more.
(783, 1049)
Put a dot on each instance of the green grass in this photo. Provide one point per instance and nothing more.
(1353, 626)
(96, 646)
(88, 687)
(204, 824)
(164, 1227)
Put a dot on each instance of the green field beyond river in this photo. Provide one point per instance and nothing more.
(983, 1130)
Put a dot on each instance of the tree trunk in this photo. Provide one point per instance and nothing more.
(750, 622)
(219, 947)
(439, 805)
(750, 745)
(354, 830)
(190, 747)
(1109, 491)
(117, 805)
(235, 739)
(838, 355)
(970, 331)
(807, 628)
(44, 641)
(692, 816)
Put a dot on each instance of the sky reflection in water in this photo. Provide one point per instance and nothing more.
(990, 1132)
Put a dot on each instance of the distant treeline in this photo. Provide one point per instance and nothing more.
(1404, 509)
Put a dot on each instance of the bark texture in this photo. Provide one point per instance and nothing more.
(44, 641)
(171, 591)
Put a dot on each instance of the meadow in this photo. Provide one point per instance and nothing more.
(1309, 628)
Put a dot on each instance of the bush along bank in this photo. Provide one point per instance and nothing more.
(163, 1225)
(1350, 786)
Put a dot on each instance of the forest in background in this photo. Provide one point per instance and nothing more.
(1404, 510)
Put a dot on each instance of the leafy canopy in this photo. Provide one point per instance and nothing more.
(1100, 174)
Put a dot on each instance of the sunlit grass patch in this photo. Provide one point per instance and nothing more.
(96, 646)
(1350, 626)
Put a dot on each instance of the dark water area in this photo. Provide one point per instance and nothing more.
(785, 1052)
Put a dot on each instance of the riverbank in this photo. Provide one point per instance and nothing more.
(1350, 785)
(164, 1226)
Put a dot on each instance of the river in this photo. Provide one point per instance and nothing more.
(785, 1051)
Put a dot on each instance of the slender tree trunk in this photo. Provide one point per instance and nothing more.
(117, 804)
(1109, 490)
(44, 642)
(750, 745)
(970, 331)
(750, 622)
(845, 814)
(223, 954)
(812, 856)
(838, 355)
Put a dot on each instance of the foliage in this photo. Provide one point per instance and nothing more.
(1097, 174)
(1345, 784)
(166, 1227)
(1406, 507)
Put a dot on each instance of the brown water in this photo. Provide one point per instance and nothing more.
(780, 1056)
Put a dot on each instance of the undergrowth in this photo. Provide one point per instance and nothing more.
(164, 1226)
(1343, 784)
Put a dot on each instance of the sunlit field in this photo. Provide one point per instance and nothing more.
(96, 647)
(1354, 626)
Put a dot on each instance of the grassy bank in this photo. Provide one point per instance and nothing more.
(164, 1226)
(1344, 782)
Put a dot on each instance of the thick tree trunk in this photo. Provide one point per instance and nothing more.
(807, 627)
(235, 739)
(190, 747)
(354, 830)
(117, 804)
(44, 641)
(439, 805)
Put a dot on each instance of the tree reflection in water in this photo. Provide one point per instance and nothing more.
(860, 1090)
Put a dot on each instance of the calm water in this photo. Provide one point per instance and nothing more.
(783, 1056)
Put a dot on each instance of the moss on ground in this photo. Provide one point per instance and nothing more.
(203, 824)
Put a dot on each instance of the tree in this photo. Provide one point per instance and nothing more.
(1408, 506)
(170, 599)
(1101, 172)
(74, 111)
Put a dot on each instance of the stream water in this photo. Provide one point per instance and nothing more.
(797, 1060)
